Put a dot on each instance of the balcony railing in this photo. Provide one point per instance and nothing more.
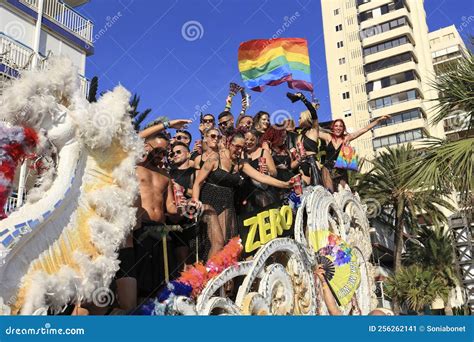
(65, 16)
(10, 205)
(18, 57)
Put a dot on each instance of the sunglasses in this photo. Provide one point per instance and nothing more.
(224, 123)
(208, 121)
(181, 137)
(177, 152)
(214, 136)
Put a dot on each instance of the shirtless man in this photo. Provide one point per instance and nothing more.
(141, 269)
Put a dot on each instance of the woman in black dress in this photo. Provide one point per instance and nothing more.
(214, 187)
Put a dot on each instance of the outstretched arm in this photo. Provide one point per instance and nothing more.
(364, 130)
(178, 124)
(262, 178)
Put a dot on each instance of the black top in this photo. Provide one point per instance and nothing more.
(254, 162)
(183, 177)
(331, 154)
(309, 144)
(224, 178)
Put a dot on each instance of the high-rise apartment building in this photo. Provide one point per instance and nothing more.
(379, 62)
(447, 47)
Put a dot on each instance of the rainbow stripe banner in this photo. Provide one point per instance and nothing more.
(274, 61)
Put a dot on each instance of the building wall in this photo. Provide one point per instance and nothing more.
(21, 28)
(372, 35)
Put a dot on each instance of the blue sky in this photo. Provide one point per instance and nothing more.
(142, 45)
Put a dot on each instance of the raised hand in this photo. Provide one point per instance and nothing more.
(180, 123)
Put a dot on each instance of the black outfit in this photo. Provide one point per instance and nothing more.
(185, 178)
(254, 194)
(310, 166)
(336, 174)
(283, 166)
(218, 191)
(149, 267)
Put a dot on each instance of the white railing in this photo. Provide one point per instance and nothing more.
(14, 54)
(65, 16)
(10, 205)
(20, 57)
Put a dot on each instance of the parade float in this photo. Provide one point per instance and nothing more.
(62, 245)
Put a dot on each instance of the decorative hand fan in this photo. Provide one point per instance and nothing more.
(341, 267)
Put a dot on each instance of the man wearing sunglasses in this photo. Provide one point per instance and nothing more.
(141, 258)
(183, 136)
(226, 126)
(182, 173)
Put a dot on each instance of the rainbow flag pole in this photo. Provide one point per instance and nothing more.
(270, 62)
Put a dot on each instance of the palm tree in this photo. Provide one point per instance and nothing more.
(434, 251)
(92, 96)
(444, 163)
(137, 117)
(403, 202)
(416, 286)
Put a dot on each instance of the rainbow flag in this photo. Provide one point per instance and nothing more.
(274, 61)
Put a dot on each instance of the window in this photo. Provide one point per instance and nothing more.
(342, 60)
(397, 4)
(398, 138)
(388, 62)
(336, 11)
(393, 99)
(339, 28)
(345, 95)
(385, 46)
(391, 80)
(343, 78)
(448, 36)
(340, 44)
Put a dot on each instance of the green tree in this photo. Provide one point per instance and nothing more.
(402, 202)
(451, 163)
(416, 286)
(137, 116)
(434, 251)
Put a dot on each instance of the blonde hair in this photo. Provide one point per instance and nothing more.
(305, 119)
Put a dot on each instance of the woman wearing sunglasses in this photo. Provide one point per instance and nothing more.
(214, 186)
(210, 146)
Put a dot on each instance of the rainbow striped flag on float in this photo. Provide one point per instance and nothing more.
(274, 61)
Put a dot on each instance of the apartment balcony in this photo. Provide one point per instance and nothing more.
(16, 57)
(65, 16)
(372, 4)
(398, 50)
(397, 108)
(404, 30)
(377, 75)
(399, 127)
(397, 88)
(384, 17)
